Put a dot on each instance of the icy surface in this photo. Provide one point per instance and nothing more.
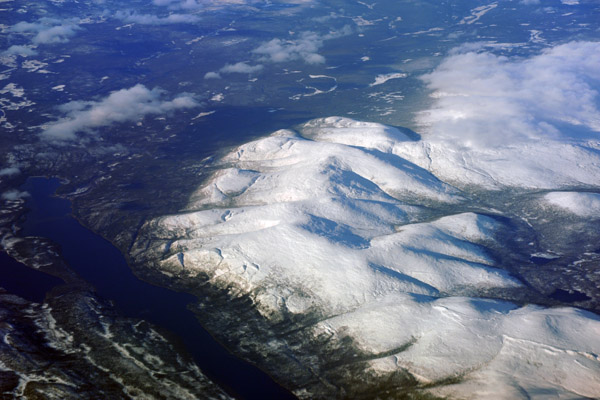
(317, 223)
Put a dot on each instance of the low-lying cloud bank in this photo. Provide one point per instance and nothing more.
(121, 106)
(529, 122)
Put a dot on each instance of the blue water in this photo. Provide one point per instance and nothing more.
(102, 265)
(24, 281)
(569, 297)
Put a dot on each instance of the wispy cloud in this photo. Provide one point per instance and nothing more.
(14, 195)
(10, 171)
(48, 30)
(212, 75)
(148, 19)
(238, 68)
(180, 4)
(195, 4)
(241, 68)
(304, 48)
(20, 51)
(218, 4)
(120, 106)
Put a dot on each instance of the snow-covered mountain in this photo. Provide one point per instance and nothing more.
(332, 221)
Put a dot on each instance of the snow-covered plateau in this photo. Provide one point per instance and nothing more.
(350, 221)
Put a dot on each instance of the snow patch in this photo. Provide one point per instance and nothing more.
(477, 13)
(218, 97)
(383, 78)
(35, 66)
(203, 114)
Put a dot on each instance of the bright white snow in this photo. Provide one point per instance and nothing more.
(316, 222)
(383, 78)
(477, 13)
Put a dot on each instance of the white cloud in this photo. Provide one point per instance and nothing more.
(19, 50)
(240, 68)
(212, 75)
(13, 195)
(196, 4)
(520, 122)
(10, 171)
(55, 34)
(182, 4)
(305, 47)
(48, 30)
(212, 4)
(484, 99)
(120, 106)
(148, 19)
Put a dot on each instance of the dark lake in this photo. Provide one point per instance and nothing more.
(569, 297)
(23, 281)
(102, 265)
